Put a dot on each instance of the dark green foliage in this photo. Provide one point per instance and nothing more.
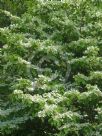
(51, 68)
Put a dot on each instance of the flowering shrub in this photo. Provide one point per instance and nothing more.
(51, 69)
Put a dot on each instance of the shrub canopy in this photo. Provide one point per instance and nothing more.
(51, 68)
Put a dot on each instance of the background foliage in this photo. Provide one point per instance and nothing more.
(51, 68)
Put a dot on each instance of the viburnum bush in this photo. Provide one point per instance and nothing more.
(51, 69)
